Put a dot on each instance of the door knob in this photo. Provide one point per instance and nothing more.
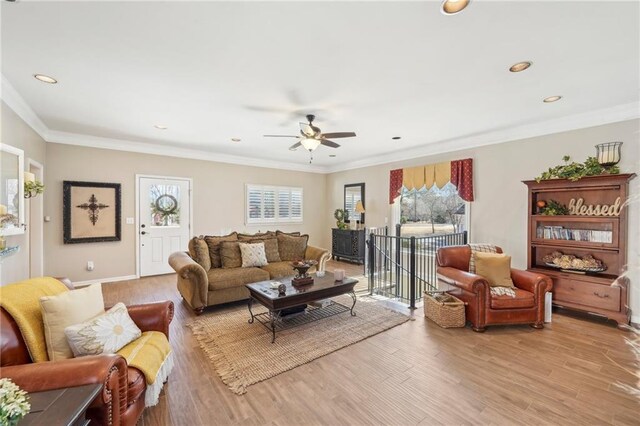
(143, 232)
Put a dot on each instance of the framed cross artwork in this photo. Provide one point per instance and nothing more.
(91, 212)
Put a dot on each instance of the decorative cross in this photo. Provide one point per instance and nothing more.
(93, 208)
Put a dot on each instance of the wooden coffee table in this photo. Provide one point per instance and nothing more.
(297, 296)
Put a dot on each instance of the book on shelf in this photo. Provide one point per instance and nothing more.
(561, 233)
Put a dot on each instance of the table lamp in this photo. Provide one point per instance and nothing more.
(359, 210)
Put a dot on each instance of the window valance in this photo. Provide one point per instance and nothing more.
(458, 172)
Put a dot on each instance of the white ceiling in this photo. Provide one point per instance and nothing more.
(212, 71)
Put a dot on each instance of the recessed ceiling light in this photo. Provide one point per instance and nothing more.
(395, 138)
(520, 66)
(332, 155)
(45, 78)
(160, 127)
(451, 7)
(552, 99)
(235, 139)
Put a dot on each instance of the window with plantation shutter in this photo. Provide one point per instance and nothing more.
(273, 204)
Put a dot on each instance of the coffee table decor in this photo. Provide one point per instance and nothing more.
(281, 307)
(301, 267)
(242, 354)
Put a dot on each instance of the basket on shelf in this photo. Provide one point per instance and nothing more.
(444, 309)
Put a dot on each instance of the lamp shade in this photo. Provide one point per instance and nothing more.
(310, 143)
(359, 207)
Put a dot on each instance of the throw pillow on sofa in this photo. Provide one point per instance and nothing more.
(253, 254)
(65, 309)
(495, 268)
(293, 234)
(270, 247)
(257, 236)
(214, 243)
(104, 334)
(292, 247)
(199, 251)
(230, 255)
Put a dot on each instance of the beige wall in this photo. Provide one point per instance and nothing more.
(499, 214)
(15, 132)
(218, 203)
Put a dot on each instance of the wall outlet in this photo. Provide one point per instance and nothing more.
(130, 221)
(90, 265)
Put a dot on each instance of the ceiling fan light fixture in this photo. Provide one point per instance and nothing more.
(452, 7)
(310, 143)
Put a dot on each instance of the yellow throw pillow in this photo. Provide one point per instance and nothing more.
(495, 268)
(65, 309)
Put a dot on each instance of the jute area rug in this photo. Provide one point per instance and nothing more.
(242, 353)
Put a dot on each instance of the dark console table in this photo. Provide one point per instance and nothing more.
(348, 244)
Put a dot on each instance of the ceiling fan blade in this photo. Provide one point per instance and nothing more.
(280, 136)
(327, 142)
(307, 130)
(294, 146)
(338, 135)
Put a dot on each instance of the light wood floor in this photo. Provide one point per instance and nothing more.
(413, 374)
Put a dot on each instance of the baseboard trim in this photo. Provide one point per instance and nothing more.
(104, 280)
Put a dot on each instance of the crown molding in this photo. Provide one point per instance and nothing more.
(16, 102)
(599, 117)
(54, 136)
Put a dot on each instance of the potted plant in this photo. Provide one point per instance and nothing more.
(341, 215)
(14, 404)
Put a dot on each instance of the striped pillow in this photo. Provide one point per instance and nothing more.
(481, 248)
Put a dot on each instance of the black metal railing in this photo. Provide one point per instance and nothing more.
(404, 267)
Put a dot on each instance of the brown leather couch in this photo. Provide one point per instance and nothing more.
(483, 309)
(121, 401)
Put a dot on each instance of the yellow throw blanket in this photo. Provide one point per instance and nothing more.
(22, 301)
(151, 354)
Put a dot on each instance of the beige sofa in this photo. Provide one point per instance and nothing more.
(211, 272)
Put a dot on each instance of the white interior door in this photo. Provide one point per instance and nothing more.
(164, 221)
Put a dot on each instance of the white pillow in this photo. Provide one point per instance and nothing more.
(65, 309)
(253, 254)
(104, 334)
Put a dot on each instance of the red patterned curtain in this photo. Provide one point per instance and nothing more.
(395, 184)
(462, 177)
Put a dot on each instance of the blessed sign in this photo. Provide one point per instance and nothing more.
(577, 207)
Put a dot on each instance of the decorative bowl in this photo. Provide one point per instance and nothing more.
(302, 266)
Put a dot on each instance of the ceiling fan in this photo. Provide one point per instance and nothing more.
(312, 137)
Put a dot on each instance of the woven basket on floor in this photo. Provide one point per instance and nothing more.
(444, 309)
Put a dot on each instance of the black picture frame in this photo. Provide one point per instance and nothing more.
(68, 202)
(353, 185)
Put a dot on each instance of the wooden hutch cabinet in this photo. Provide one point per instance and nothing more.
(595, 226)
(348, 244)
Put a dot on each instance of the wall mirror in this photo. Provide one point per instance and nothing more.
(11, 190)
(354, 194)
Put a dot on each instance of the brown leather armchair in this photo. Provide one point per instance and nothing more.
(483, 309)
(121, 401)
